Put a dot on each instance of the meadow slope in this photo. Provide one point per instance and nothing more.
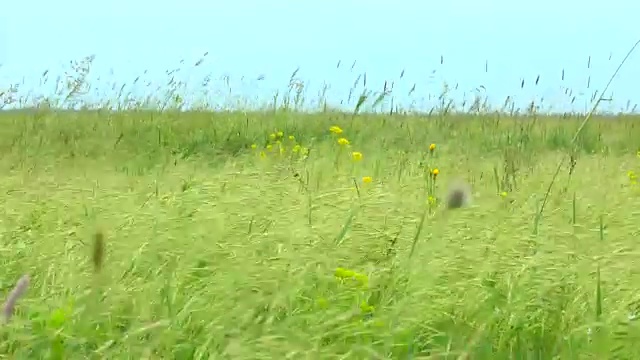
(263, 236)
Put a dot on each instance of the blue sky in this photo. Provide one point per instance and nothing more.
(248, 39)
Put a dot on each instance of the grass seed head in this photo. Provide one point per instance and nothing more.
(98, 251)
(458, 195)
(14, 296)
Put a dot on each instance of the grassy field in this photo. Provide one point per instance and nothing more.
(263, 236)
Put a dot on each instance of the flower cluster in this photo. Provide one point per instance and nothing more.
(433, 173)
(282, 145)
(343, 142)
(362, 283)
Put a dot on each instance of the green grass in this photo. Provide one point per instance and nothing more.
(215, 251)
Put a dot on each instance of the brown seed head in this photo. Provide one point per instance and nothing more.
(14, 296)
(98, 251)
(459, 195)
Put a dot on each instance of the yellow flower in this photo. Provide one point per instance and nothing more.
(356, 155)
(343, 141)
(367, 179)
(344, 273)
(366, 308)
(269, 147)
(272, 136)
(304, 151)
(253, 146)
(279, 134)
(435, 172)
(335, 129)
(631, 175)
(432, 147)
(292, 138)
(503, 194)
(431, 200)
(295, 148)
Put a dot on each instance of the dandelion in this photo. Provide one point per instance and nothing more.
(503, 194)
(272, 136)
(279, 134)
(431, 200)
(367, 179)
(292, 138)
(435, 172)
(366, 308)
(343, 141)
(343, 273)
(269, 147)
(432, 147)
(336, 130)
(295, 149)
(356, 155)
(254, 146)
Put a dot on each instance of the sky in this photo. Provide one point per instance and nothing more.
(254, 46)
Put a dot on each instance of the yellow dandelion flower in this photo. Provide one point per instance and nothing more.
(272, 136)
(296, 148)
(254, 146)
(356, 155)
(504, 194)
(435, 172)
(292, 138)
(279, 134)
(344, 273)
(631, 175)
(343, 141)
(366, 308)
(432, 147)
(335, 129)
(367, 179)
(269, 147)
(431, 200)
